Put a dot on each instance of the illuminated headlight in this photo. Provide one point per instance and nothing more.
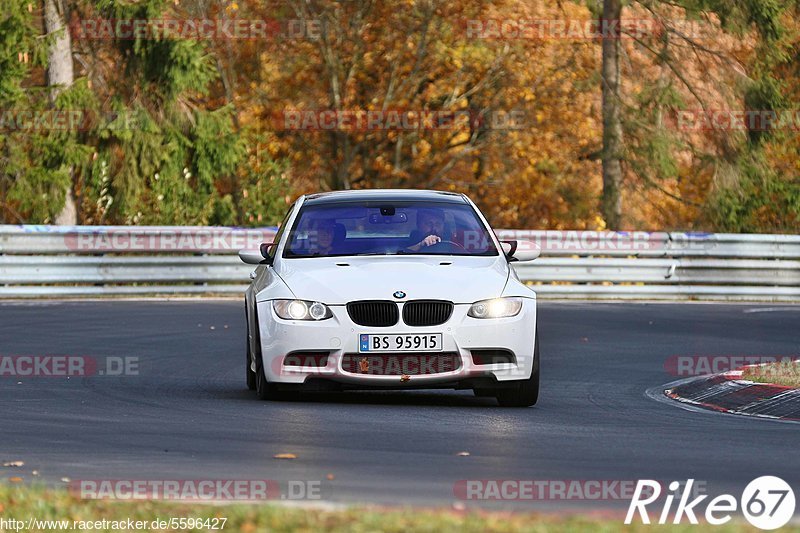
(496, 308)
(301, 310)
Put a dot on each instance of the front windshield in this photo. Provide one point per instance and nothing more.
(388, 228)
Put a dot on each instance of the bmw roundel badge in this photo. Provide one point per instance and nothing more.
(399, 294)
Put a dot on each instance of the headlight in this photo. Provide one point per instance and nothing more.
(496, 308)
(301, 310)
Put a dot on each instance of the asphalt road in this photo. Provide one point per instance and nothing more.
(188, 415)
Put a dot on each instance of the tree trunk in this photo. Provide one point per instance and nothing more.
(60, 76)
(612, 124)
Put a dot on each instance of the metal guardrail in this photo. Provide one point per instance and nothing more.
(53, 261)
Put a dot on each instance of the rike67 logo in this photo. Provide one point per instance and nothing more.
(767, 503)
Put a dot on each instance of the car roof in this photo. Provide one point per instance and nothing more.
(378, 195)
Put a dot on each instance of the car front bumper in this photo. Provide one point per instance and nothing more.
(285, 341)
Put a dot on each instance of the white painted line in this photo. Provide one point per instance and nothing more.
(770, 309)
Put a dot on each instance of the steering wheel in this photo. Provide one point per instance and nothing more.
(451, 243)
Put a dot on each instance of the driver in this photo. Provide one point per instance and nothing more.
(430, 229)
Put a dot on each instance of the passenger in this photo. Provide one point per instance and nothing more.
(321, 237)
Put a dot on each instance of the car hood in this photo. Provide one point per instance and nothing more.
(336, 281)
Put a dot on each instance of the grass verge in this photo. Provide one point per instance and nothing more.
(786, 373)
(23, 503)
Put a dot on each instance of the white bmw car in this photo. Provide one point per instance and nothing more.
(390, 289)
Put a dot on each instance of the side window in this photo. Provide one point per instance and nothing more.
(281, 230)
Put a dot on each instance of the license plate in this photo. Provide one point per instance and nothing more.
(430, 342)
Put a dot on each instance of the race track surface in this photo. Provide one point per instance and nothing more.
(188, 415)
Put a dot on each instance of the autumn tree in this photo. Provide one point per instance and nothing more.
(612, 119)
(544, 131)
(60, 76)
(691, 71)
(35, 161)
(521, 98)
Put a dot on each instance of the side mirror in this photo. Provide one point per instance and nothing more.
(265, 246)
(257, 257)
(520, 250)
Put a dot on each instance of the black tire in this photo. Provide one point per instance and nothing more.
(251, 376)
(526, 393)
(264, 389)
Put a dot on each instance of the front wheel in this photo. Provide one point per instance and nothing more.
(251, 376)
(264, 389)
(526, 392)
